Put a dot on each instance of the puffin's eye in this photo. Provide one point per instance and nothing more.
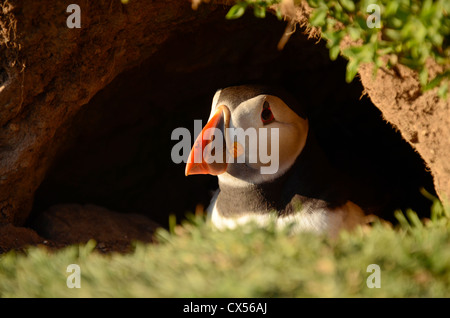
(266, 114)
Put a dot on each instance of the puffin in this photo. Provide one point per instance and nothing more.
(301, 190)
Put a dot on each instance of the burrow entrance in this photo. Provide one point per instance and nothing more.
(117, 151)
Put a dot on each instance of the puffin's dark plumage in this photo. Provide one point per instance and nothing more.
(235, 95)
(310, 178)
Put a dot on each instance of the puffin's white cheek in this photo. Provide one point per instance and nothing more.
(274, 146)
(289, 145)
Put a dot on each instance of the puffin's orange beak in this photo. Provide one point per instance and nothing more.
(201, 162)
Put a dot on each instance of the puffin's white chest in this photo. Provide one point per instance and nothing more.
(319, 220)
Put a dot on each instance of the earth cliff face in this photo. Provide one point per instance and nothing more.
(86, 114)
(50, 71)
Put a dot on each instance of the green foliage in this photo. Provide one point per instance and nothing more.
(197, 261)
(259, 8)
(410, 32)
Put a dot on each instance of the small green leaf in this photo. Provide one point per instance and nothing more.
(391, 8)
(437, 80)
(353, 51)
(172, 223)
(334, 52)
(318, 17)
(361, 23)
(443, 90)
(259, 11)
(355, 33)
(314, 3)
(352, 69)
(393, 34)
(414, 219)
(348, 5)
(279, 14)
(402, 220)
(236, 11)
(423, 76)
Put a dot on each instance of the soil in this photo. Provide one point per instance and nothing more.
(86, 116)
(68, 224)
(12, 237)
(423, 119)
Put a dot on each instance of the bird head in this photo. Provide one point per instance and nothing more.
(253, 135)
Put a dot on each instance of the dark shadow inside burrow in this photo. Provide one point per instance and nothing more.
(118, 149)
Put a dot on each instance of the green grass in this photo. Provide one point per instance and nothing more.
(249, 262)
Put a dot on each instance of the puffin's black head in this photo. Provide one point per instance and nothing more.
(235, 95)
(254, 135)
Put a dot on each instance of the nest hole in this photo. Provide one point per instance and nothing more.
(117, 152)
